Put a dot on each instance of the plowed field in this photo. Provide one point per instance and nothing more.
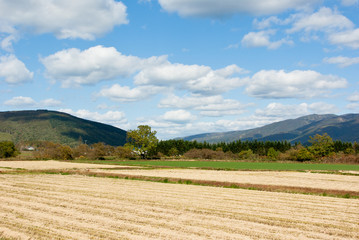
(82, 207)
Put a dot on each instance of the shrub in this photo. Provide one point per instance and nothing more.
(7, 149)
(205, 154)
(246, 154)
(297, 154)
(272, 154)
(123, 152)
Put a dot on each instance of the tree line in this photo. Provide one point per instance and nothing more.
(143, 143)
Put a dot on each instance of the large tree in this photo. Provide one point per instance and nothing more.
(143, 141)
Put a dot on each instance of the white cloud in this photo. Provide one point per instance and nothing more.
(267, 22)
(115, 118)
(348, 3)
(295, 84)
(126, 94)
(170, 73)
(20, 101)
(214, 106)
(14, 71)
(178, 116)
(342, 61)
(194, 78)
(74, 67)
(262, 39)
(324, 20)
(84, 19)
(323, 108)
(215, 8)
(353, 106)
(348, 38)
(354, 97)
(280, 111)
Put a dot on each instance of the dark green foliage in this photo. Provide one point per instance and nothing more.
(43, 125)
(7, 149)
(257, 147)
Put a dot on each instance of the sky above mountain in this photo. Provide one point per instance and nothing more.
(181, 66)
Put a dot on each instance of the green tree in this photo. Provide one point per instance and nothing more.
(272, 154)
(7, 149)
(322, 145)
(143, 141)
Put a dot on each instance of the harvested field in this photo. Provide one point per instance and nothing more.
(81, 207)
(293, 179)
(51, 164)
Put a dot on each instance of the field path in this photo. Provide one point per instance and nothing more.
(81, 207)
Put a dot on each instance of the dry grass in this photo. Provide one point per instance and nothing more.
(51, 164)
(81, 207)
(293, 179)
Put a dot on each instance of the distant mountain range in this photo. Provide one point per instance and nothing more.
(44, 125)
(344, 128)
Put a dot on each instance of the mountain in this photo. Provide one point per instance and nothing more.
(344, 128)
(44, 125)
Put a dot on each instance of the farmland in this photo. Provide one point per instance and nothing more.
(37, 205)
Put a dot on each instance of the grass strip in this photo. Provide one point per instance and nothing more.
(248, 186)
(232, 165)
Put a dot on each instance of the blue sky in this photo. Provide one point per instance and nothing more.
(181, 66)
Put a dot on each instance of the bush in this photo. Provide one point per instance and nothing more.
(206, 154)
(7, 149)
(50, 150)
(300, 154)
(123, 152)
(246, 155)
(272, 154)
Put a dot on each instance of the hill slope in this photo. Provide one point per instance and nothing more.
(20, 126)
(344, 128)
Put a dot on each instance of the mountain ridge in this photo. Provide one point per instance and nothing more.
(59, 127)
(339, 127)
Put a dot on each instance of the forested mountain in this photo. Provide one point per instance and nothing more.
(44, 125)
(344, 128)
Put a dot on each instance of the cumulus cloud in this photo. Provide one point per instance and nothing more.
(85, 19)
(13, 71)
(115, 118)
(170, 73)
(295, 84)
(323, 20)
(74, 67)
(178, 116)
(28, 102)
(126, 94)
(354, 97)
(262, 39)
(275, 111)
(348, 38)
(20, 101)
(212, 106)
(216, 9)
(348, 3)
(342, 61)
(195, 78)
